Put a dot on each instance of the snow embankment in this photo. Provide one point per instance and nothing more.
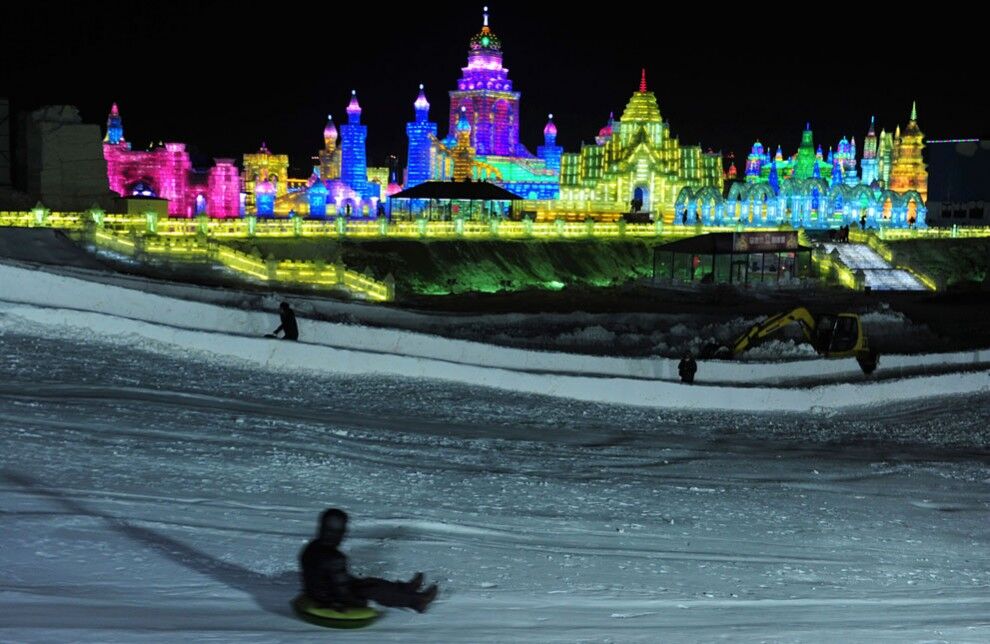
(132, 317)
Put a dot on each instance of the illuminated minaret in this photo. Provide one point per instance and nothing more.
(908, 171)
(353, 155)
(897, 144)
(485, 94)
(842, 152)
(754, 163)
(115, 151)
(850, 176)
(807, 159)
(330, 135)
(329, 155)
(869, 162)
(885, 156)
(845, 156)
(550, 152)
(419, 132)
(463, 153)
(115, 127)
(836, 178)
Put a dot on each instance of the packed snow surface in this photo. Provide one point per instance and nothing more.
(149, 498)
(159, 477)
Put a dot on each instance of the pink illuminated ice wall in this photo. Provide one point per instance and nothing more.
(166, 172)
(223, 195)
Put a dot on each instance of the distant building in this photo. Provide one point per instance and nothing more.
(5, 159)
(50, 156)
(959, 182)
(59, 159)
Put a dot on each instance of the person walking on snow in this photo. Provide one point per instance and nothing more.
(687, 368)
(327, 582)
(288, 325)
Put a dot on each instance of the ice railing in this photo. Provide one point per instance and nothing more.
(290, 272)
(251, 226)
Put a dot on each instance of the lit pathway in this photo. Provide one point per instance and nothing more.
(880, 276)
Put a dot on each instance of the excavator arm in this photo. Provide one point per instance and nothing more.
(800, 316)
(833, 336)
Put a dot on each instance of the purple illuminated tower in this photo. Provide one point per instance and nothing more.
(485, 93)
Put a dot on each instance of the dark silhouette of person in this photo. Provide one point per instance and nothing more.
(288, 325)
(684, 217)
(687, 368)
(327, 582)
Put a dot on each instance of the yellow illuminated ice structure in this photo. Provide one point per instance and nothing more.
(329, 156)
(379, 175)
(263, 165)
(634, 159)
(908, 171)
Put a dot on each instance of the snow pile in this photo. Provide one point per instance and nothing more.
(594, 335)
(773, 350)
(885, 326)
(788, 343)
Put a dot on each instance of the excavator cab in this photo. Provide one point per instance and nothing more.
(839, 336)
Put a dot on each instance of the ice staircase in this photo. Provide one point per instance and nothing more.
(880, 275)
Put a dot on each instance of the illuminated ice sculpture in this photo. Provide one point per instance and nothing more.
(490, 106)
(635, 164)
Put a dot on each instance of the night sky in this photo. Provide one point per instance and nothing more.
(223, 82)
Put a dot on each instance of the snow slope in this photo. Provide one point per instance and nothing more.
(152, 494)
(292, 357)
(362, 350)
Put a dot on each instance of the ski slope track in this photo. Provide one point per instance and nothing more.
(113, 312)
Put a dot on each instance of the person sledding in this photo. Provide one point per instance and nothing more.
(327, 584)
(288, 326)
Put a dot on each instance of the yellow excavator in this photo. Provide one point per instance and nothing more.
(833, 336)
